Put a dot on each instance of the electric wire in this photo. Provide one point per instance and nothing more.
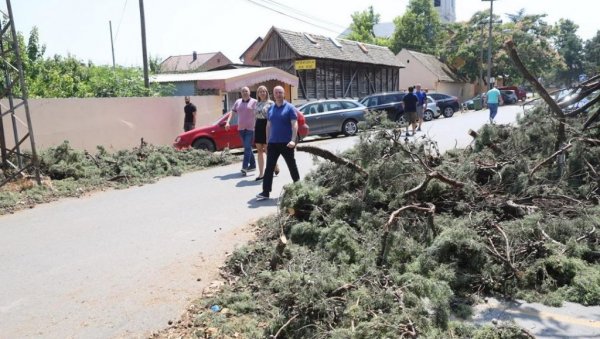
(120, 21)
(255, 2)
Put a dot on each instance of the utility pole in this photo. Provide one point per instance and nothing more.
(144, 54)
(489, 66)
(112, 46)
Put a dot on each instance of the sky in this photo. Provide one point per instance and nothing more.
(177, 27)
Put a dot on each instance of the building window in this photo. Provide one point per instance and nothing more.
(437, 3)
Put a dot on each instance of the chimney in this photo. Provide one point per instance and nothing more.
(194, 56)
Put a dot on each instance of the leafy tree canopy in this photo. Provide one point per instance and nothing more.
(419, 29)
(65, 77)
(362, 28)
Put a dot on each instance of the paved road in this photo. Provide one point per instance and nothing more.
(123, 263)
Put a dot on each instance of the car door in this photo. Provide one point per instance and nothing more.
(313, 117)
(333, 117)
(229, 138)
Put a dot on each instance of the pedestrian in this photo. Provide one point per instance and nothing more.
(260, 129)
(410, 101)
(244, 110)
(494, 98)
(421, 105)
(189, 122)
(282, 134)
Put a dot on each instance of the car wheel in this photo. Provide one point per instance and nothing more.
(204, 144)
(349, 127)
(428, 115)
(448, 111)
(299, 138)
(401, 120)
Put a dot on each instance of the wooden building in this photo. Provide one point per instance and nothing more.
(328, 67)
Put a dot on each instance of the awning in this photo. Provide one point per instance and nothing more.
(230, 79)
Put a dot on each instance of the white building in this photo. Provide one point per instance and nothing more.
(446, 9)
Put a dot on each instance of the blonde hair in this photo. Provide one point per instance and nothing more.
(258, 90)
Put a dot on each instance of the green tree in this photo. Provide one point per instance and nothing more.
(570, 47)
(362, 28)
(592, 55)
(65, 77)
(419, 29)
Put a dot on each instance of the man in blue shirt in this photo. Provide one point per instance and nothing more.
(493, 99)
(421, 105)
(282, 134)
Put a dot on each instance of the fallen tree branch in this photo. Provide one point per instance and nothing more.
(278, 254)
(387, 228)
(433, 175)
(492, 146)
(529, 209)
(586, 235)
(284, 326)
(512, 52)
(340, 290)
(550, 158)
(333, 158)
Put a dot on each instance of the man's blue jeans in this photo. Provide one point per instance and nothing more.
(247, 138)
(493, 110)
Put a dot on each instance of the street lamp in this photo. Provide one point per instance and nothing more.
(489, 68)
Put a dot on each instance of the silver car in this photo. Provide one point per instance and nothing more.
(333, 116)
(432, 111)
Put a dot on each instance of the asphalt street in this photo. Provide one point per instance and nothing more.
(122, 263)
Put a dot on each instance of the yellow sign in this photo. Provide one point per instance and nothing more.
(305, 64)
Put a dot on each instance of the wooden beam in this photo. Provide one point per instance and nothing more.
(349, 88)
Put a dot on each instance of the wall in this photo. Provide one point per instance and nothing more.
(415, 73)
(116, 123)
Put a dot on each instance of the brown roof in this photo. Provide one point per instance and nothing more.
(440, 69)
(185, 63)
(326, 48)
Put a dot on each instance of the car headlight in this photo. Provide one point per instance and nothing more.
(177, 140)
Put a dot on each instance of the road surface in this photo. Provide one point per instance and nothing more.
(122, 263)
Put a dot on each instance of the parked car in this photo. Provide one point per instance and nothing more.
(519, 91)
(565, 96)
(432, 111)
(448, 104)
(389, 102)
(333, 116)
(470, 104)
(214, 137)
(509, 96)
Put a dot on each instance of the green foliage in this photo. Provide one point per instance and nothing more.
(71, 77)
(362, 28)
(419, 29)
(349, 270)
(68, 172)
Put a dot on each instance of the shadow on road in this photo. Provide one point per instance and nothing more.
(230, 176)
(250, 182)
(253, 203)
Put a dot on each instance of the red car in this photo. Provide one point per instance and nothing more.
(215, 138)
(521, 94)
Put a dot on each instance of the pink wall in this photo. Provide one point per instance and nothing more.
(115, 123)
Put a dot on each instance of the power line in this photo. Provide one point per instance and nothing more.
(308, 15)
(120, 20)
(290, 16)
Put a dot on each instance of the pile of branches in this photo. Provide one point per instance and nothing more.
(68, 172)
(391, 239)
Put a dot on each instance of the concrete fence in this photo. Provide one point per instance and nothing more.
(115, 123)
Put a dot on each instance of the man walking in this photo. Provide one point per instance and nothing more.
(493, 98)
(421, 105)
(282, 133)
(244, 109)
(189, 122)
(410, 110)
